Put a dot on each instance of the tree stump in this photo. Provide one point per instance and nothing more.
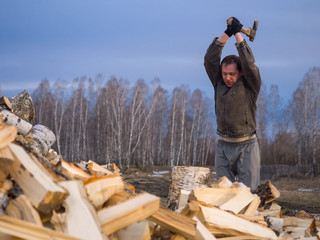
(41, 138)
(22, 106)
(186, 178)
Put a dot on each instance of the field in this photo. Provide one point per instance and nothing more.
(297, 193)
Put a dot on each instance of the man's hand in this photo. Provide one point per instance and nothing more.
(235, 26)
(228, 31)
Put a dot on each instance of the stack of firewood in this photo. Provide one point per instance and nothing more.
(43, 196)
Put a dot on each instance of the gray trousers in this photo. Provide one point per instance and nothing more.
(239, 162)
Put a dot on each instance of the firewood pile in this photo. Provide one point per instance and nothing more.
(42, 196)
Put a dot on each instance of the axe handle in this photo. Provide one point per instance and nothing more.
(246, 31)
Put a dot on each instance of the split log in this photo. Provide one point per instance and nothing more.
(239, 202)
(41, 138)
(175, 222)
(253, 206)
(309, 224)
(99, 189)
(21, 208)
(71, 172)
(202, 233)
(80, 219)
(276, 224)
(224, 224)
(267, 193)
(22, 126)
(118, 198)
(6, 160)
(214, 196)
(136, 231)
(246, 237)
(12, 228)
(296, 233)
(35, 181)
(183, 199)
(186, 178)
(7, 134)
(6, 186)
(5, 103)
(96, 170)
(191, 209)
(273, 211)
(223, 182)
(117, 217)
(22, 106)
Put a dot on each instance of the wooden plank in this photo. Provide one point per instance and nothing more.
(80, 217)
(114, 218)
(99, 189)
(238, 202)
(175, 222)
(136, 231)
(224, 224)
(214, 196)
(21, 229)
(35, 181)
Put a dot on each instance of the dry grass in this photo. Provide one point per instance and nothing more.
(293, 199)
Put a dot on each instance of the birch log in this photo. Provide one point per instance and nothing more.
(186, 178)
(22, 126)
(41, 138)
(5, 103)
(22, 106)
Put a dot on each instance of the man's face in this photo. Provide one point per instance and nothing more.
(230, 73)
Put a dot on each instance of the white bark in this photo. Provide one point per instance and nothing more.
(22, 126)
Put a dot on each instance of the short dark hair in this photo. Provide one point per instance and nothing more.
(230, 59)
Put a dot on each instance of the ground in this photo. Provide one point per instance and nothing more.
(297, 193)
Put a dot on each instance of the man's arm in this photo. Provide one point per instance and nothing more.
(212, 58)
(250, 70)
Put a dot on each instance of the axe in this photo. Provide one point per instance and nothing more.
(250, 32)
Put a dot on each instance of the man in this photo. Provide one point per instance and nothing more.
(236, 85)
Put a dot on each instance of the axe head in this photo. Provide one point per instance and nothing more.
(253, 30)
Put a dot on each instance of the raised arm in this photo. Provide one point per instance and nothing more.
(212, 59)
(250, 70)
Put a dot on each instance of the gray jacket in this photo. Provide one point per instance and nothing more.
(235, 107)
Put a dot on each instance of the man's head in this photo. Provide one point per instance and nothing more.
(231, 69)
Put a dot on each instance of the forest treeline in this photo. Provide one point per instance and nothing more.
(110, 121)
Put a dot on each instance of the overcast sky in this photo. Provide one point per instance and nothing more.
(165, 39)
